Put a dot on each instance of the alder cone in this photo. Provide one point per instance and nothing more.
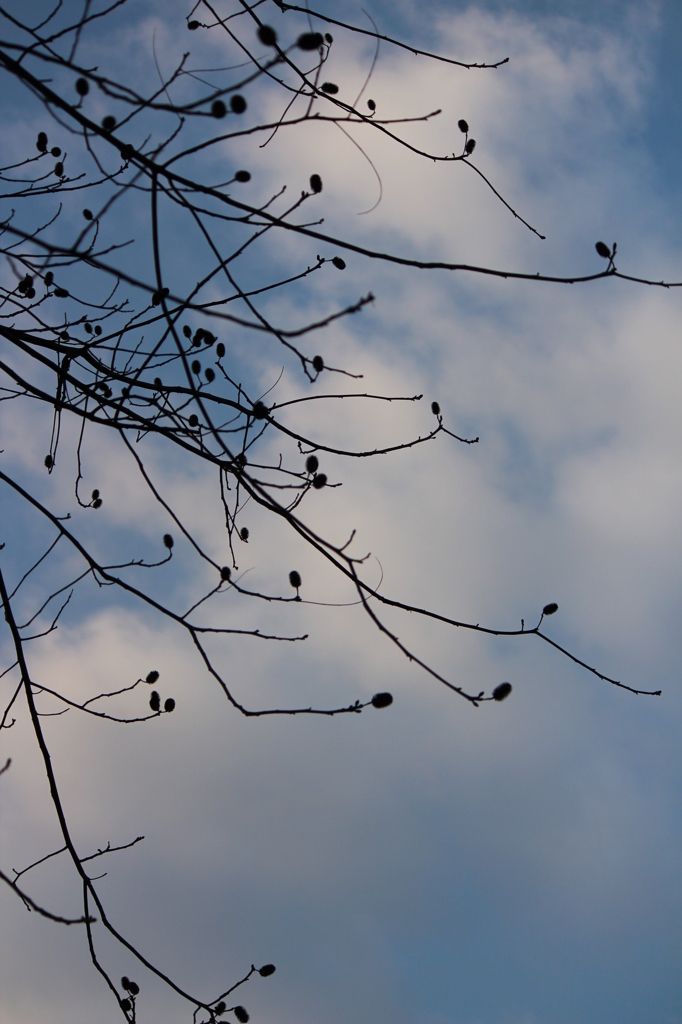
(502, 691)
(382, 700)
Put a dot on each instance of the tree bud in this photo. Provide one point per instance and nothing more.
(382, 700)
(470, 146)
(187, 331)
(435, 408)
(502, 691)
(168, 541)
(210, 375)
(152, 676)
(125, 983)
(108, 123)
(82, 86)
(87, 214)
(220, 1008)
(41, 142)
(134, 988)
(463, 126)
(125, 1005)
(220, 350)
(242, 176)
(155, 701)
(549, 609)
(320, 481)
(295, 579)
(55, 151)
(603, 250)
(218, 108)
(312, 463)
(318, 364)
(266, 970)
(192, 25)
(241, 1014)
(309, 41)
(371, 104)
(225, 573)
(169, 705)
(260, 411)
(330, 88)
(244, 534)
(339, 263)
(196, 366)
(315, 183)
(267, 35)
(238, 104)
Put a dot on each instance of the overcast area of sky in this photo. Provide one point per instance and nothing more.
(515, 864)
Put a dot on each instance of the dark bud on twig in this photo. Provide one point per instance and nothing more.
(244, 534)
(225, 573)
(194, 420)
(220, 350)
(329, 37)
(196, 366)
(56, 151)
(470, 146)
(549, 609)
(330, 88)
(97, 503)
(61, 293)
(152, 676)
(315, 183)
(59, 169)
(218, 108)
(238, 104)
(49, 461)
(260, 411)
(502, 691)
(192, 25)
(435, 408)
(242, 176)
(318, 364)
(157, 382)
(95, 494)
(309, 41)
(295, 579)
(219, 1008)
(168, 541)
(157, 296)
(320, 481)
(109, 123)
(134, 988)
(169, 705)
(267, 35)
(87, 214)
(98, 329)
(339, 263)
(210, 375)
(187, 331)
(125, 983)
(266, 970)
(127, 151)
(603, 250)
(49, 278)
(125, 1005)
(382, 700)
(155, 701)
(241, 1015)
(82, 86)
(241, 459)
(311, 463)
(209, 338)
(41, 142)
(371, 104)
(463, 126)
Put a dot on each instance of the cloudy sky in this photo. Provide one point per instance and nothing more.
(513, 864)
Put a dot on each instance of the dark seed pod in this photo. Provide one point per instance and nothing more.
(41, 142)
(238, 104)
(125, 1005)
(108, 123)
(152, 676)
(49, 278)
(187, 331)
(48, 462)
(168, 541)
(382, 700)
(502, 691)
(55, 151)
(125, 983)
(95, 494)
(157, 382)
(59, 169)
(267, 35)
(64, 336)
(87, 327)
(30, 293)
(330, 88)
(295, 579)
(220, 350)
(318, 364)
(463, 126)
(97, 503)
(134, 988)
(309, 41)
(371, 104)
(241, 1014)
(194, 420)
(603, 250)
(225, 573)
(315, 183)
(220, 1008)
(61, 293)
(329, 37)
(87, 214)
(266, 970)
(196, 366)
(155, 701)
(435, 408)
(470, 146)
(339, 263)
(209, 338)
(260, 411)
(192, 25)
(242, 176)
(244, 534)
(549, 609)
(320, 481)
(82, 86)
(241, 459)
(218, 108)
(169, 705)
(127, 151)
(312, 463)
(210, 375)
(98, 329)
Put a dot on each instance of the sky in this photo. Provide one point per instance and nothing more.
(516, 863)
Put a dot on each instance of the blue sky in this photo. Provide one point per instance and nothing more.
(515, 864)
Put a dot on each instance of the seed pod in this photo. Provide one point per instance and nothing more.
(152, 676)
(98, 329)
(463, 126)
(267, 35)
(64, 336)
(312, 463)
(603, 250)
(320, 481)
(155, 701)
(315, 183)
(59, 169)
(125, 1005)
(87, 327)
(330, 88)
(549, 609)
(48, 462)
(168, 705)
(244, 534)
(318, 364)
(242, 176)
(95, 494)
(82, 86)
(470, 146)
(157, 382)
(41, 142)
(435, 408)
(266, 970)
(196, 366)
(194, 420)
(209, 338)
(108, 123)
(220, 1008)
(329, 37)
(55, 151)
(339, 263)
(168, 541)
(49, 278)
(382, 700)
(218, 108)
(260, 411)
(220, 350)
(61, 293)
(127, 151)
(192, 25)
(210, 375)
(187, 331)
(238, 104)
(134, 988)
(309, 41)
(502, 691)
(371, 104)
(87, 214)
(97, 503)
(125, 983)
(295, 579)
(241, 459)
(30, 293)
(225, 573)
(241, 1014)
